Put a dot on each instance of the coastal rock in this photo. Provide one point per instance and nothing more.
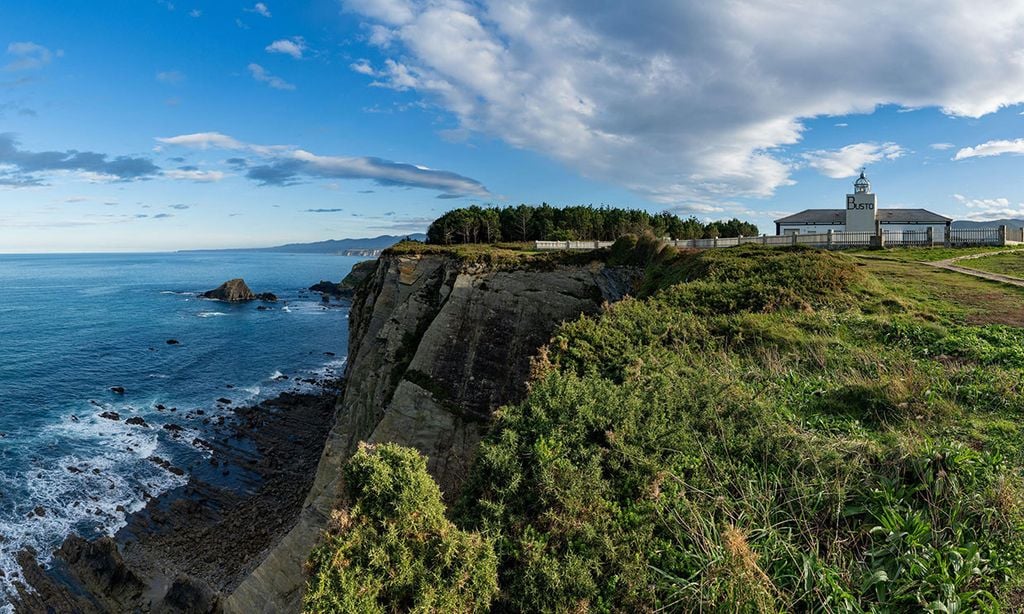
(346, 287)
(436, 344)
(232, 291)
(136, 421)
(101, 570)
(111, 415)
(188, 595)
(173, 342)
(117, 389)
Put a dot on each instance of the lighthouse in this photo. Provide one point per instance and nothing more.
(861, 206)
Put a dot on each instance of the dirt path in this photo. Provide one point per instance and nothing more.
(950, 265)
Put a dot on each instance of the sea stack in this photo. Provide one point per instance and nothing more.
(236, 291)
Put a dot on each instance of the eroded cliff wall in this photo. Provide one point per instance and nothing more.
(436, 345)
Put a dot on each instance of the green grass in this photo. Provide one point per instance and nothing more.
(1011, 264)
(926, 254)
(762, 430)
(499, 255)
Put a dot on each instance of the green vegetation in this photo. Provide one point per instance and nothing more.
(584, 223)
(927, 254)
(393, 549)
(1011, 263)
(760, 430)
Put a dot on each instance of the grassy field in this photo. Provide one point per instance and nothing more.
(1011, 264)
(761, 430)
(926, 254)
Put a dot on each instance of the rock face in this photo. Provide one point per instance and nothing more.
(236, 291)
(347, 286)
(436, 345)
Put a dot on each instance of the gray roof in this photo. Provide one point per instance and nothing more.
(815, 216)
(886, 216)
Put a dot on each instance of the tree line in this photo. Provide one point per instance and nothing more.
(476, 224)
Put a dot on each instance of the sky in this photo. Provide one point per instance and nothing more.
(152, 125)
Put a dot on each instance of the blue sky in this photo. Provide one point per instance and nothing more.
(157, 125)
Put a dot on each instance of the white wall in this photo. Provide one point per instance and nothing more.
(808, 229)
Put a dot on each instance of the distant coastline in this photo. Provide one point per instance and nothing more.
(369, 247)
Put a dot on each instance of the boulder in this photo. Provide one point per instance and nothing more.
(233, 291)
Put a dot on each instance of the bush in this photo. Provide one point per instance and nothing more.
(393, 549)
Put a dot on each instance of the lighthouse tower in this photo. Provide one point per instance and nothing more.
(861, 206)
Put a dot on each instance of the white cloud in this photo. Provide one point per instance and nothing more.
(847, 161)
(991, 148)
(990, 208)
(289, 46)
(260, 9)
(203, 140)
(676, 100)
(28, 56)
(263, 76)
(172, 77)
(941, 146)
(195, 175)
(362, 67)
(842, 125)
(195, 13)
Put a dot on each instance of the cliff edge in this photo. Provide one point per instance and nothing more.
(437, 343)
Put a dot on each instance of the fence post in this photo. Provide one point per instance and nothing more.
(1002, 234)
(931, 236)
(830, 231)
(714, 242)
(947, 241)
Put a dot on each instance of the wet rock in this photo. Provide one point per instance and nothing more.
(111, 415)
(117, 389)
(232, 291)
(222, 400)
(166, 464)
(100, 568)
(136, 421)
(174, 428)
(173, 342)
(188, 594)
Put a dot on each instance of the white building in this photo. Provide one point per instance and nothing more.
(861, 215)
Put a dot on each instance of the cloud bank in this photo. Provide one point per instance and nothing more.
(282, 165)
(19, 167)
(683, 100)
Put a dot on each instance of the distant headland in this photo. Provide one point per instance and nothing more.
(369, 247)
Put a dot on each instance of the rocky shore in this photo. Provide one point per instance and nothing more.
(192, 544)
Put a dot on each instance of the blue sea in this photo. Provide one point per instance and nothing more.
(73, 326)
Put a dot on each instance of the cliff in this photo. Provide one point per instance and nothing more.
(437, 342)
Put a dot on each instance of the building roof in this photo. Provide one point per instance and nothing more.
(886, 216)
(910, 216)
(815, 216)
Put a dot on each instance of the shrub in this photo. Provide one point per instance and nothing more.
(393, 549)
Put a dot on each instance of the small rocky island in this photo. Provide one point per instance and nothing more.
(237, 291)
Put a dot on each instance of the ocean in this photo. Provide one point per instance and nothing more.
(74, 326)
